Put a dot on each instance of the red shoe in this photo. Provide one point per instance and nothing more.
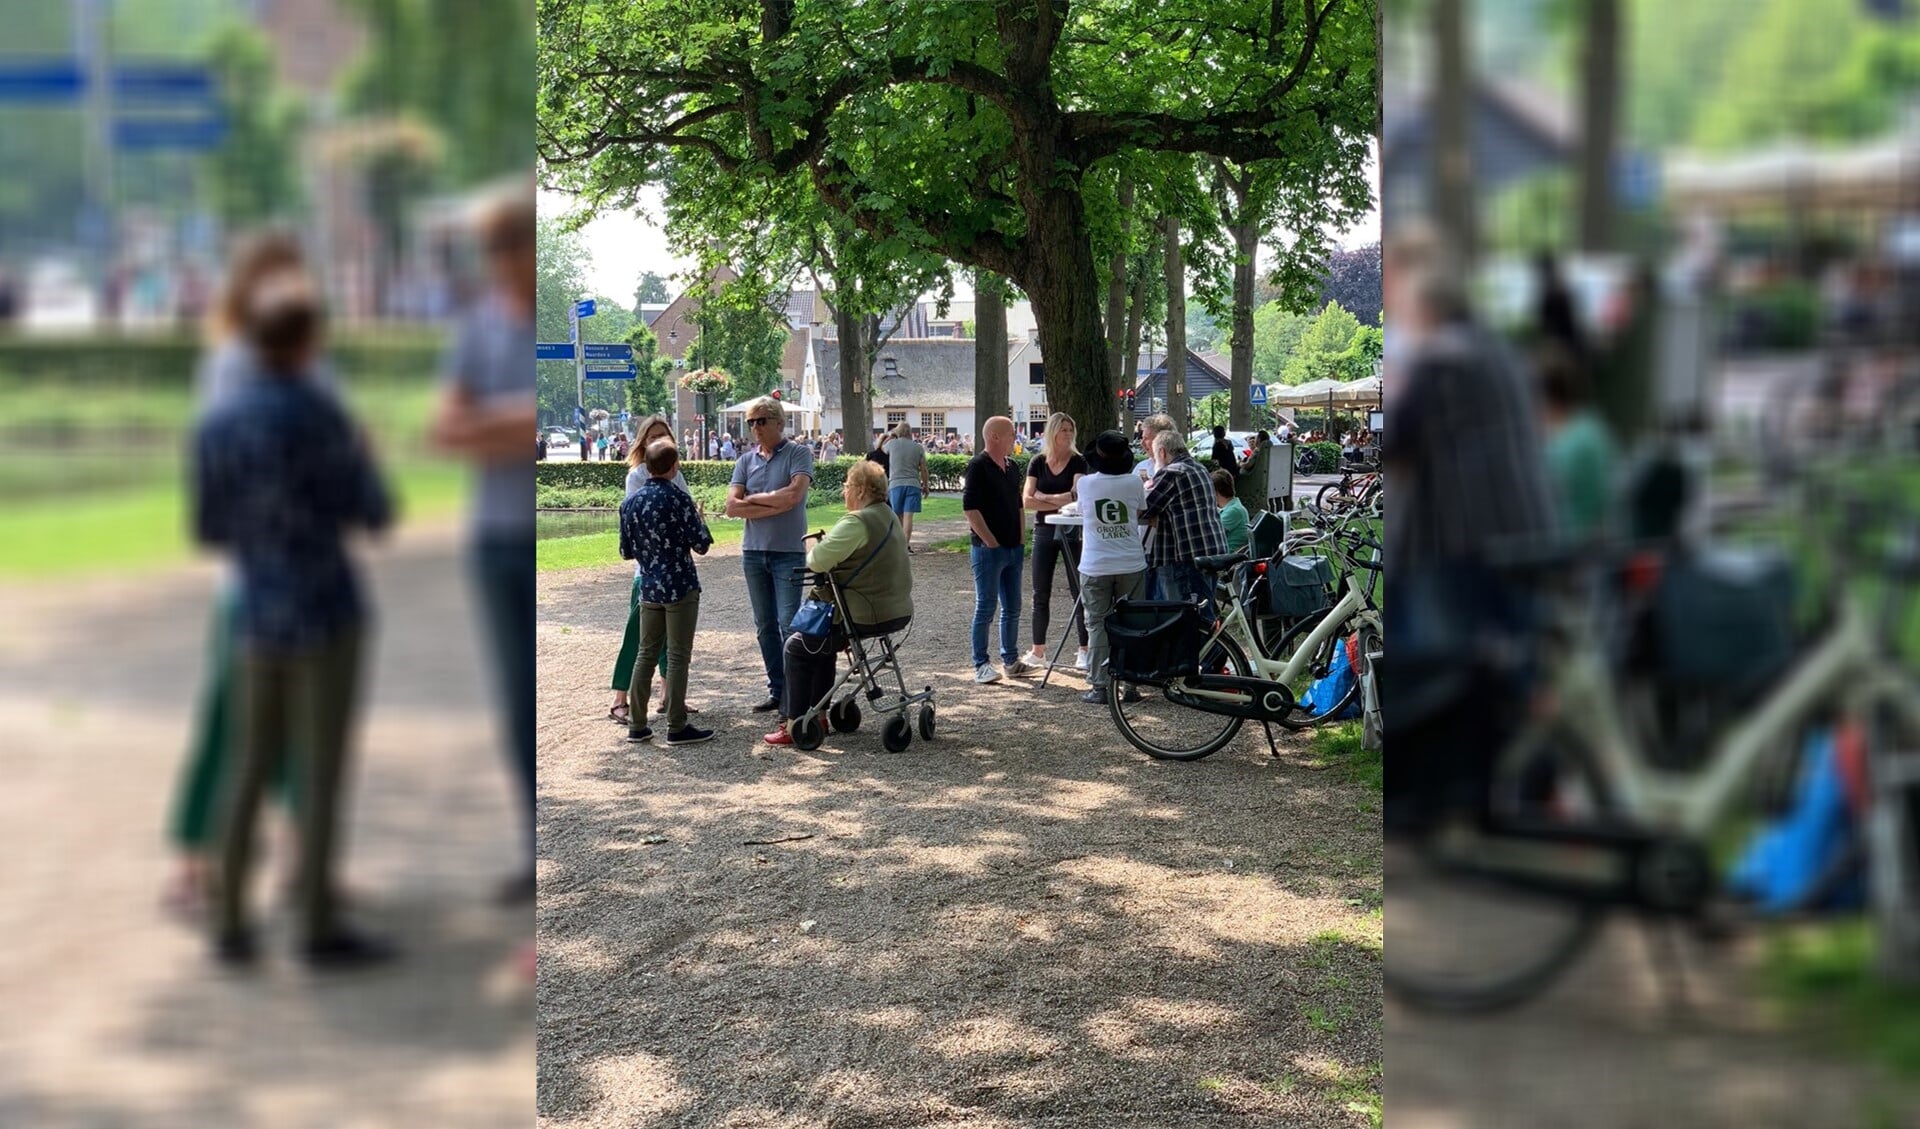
(779, 736)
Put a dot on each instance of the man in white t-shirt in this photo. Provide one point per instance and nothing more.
(1113, 559)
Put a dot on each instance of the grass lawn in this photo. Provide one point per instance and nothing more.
(1338, 747)
(1825, 976)
(596, 550)
(137, 529)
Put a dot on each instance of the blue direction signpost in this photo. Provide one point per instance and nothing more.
(119, 100)
(600, 351)
(553, 351)
(624, 372)
(199, 133)
(581, 309)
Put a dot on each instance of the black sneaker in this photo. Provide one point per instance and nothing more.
(644, 733)
(236, 950)
(772, 703)
(688, 735)
(346, 949)
(1095, 697)
(1131, 696)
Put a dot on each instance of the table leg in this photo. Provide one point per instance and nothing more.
(1073, 622)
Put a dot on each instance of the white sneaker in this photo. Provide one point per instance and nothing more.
(1080, 661)
(984, 673)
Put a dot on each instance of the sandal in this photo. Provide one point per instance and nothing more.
(187, 900)
(621, 713)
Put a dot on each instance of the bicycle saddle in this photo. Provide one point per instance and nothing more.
(1221, 562)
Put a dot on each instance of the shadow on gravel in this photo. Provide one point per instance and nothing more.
(1019, 923)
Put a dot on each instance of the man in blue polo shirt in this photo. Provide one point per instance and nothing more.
(769, 490)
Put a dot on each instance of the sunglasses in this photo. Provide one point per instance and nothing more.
(761, 422)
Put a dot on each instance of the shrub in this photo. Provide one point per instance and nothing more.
(169, 360)
(1320, 458)
(943, 473)
(575, 497)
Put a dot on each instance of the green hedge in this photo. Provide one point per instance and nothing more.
(1326, 457)
(168, 361)
(943, 473)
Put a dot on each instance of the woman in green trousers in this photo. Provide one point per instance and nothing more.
(651, 428)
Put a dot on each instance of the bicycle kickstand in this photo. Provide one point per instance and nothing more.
(1271, 747)
(1669, 964)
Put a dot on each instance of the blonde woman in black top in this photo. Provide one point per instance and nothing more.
(1052, 478)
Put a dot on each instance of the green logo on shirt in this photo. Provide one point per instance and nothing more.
(1110, 511)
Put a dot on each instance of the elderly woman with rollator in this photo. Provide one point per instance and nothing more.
(866, 552)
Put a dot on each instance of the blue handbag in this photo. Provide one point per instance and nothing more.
(815, 617)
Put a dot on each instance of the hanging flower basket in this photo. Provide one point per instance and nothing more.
(708, 381)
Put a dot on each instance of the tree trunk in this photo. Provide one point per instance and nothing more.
(1599, 112)
(1176, 327)
(1117, 293)
(856, 361)
(1130, 362)
(1454, 208)
(1246, 242)
(1064, 286)
(990, 391)
(1379, 72)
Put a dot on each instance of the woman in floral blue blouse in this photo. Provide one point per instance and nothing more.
(660, 530)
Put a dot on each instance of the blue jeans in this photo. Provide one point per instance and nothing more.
(1182, 581)
(773, 588)
(996, 581)
(504, 569)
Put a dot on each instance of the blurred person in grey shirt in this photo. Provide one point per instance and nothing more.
(486, 406)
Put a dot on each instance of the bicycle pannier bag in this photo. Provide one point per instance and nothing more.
(1153, 642)
(1724, 618)
(1299, 586)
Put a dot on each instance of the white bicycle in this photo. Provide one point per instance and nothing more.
(1491, 908)
(1210, 679)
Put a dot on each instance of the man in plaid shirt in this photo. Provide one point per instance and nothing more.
(1185, 524)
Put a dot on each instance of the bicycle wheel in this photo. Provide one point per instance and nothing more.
(1458, 940)
(1331, 497)
(1317, 667)
(1165, 730)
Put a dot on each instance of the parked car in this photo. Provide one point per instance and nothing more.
(1201, 443)
(558, 439)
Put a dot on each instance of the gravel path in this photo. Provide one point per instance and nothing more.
(113, 1017)
(1021, 923)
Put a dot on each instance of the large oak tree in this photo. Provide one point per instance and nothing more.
(993, 134)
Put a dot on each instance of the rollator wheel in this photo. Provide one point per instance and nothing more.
(809, 733)
(926, 723)
(897, 735)
(845, 715)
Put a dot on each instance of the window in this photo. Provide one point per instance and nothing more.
(1036, 373)
(889, 369)
(933, 421)
(895, 419)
